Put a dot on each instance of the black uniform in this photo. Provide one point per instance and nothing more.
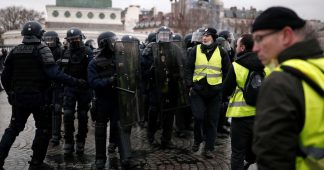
(57, 100)
(75, 63)
(26, 78)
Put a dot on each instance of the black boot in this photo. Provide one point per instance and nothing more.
(100, 140)
(1, 163)
(112, 148)
(129, 164)
(100, 164)
(79, 149)
(68, 148)
(35, 165)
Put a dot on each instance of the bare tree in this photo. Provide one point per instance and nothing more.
(14, 17)
(188, 20)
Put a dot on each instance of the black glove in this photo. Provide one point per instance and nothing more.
(112, 80)
(82, 83)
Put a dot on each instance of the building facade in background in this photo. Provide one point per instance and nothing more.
(186, 16)
(92, 17)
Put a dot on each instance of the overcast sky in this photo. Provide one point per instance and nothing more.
(308, 9)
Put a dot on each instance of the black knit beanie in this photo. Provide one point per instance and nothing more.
(277, 18)
(212, 32)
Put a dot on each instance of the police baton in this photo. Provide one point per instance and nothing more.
(125, 90)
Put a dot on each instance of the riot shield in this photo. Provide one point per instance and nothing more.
(168, 62)
(126, 57)
(181, 53)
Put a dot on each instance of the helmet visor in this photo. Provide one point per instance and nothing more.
(93, 44)
(50, 41)
(163, 36)
(74, 39)
(197, 37)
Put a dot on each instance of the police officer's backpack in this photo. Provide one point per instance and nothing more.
(252, 85)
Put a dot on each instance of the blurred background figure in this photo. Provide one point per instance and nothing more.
(228, 43)
(52, 40)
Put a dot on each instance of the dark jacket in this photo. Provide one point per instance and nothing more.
(190, 68)
(280, 112)
(248, 60)
(49, 67)
(101, 72)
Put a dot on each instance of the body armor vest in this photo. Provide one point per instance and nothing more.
(75, 63)
(28, 67)
(105, 66)
(57, 53)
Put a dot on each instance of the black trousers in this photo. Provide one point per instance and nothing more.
(18, 120)
(157, 118)
(206, 112)
(241, 137)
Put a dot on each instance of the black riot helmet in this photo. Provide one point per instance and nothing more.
(227, 36)
(32, 32)
(74, 37)
(91, 44)
(187, 40)
(163, 34)
(197, 35)
(129, 38)
(51, 39)
(106, 41)
(151, 37)
(176, 37)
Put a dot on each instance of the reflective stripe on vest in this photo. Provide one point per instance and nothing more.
(311, 138)
(237, 106)
(212, 68)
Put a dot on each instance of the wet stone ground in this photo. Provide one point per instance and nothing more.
(149, 157)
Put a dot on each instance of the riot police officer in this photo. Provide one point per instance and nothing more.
(103, 79)
(196, 37)
(229, 37)
(52, 40)
(187, 39)
(26, 78)
(145, 64)
(176, 37)
(91, 44)
(160, 87)
(75, 62)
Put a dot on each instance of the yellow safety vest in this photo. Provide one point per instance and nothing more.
(237, 106)
(211, 69)
(311, 138)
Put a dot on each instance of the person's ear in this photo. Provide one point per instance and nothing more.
(242, 47)
(287, 36)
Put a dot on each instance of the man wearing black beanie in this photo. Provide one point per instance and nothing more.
(206, 67)
(288, 129)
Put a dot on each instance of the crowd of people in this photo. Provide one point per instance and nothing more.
(268, 83)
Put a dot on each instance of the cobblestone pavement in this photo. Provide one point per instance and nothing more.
(149, 157)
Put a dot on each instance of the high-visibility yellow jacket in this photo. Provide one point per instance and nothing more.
(311, 138)
(211, 69)
(237, 106)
